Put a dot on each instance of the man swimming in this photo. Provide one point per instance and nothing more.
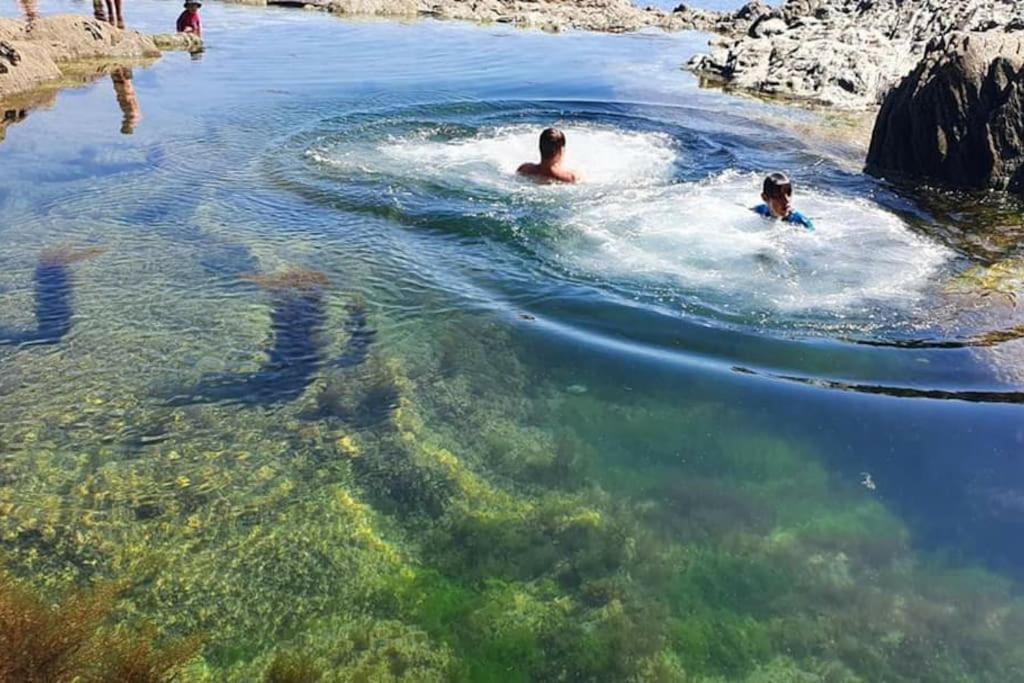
(552, 151)
(777, 193)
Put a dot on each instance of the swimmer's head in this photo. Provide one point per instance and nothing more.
(777, 193)
(552, 142)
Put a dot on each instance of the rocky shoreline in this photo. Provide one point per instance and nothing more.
(842, 53)
(927, 59)
(610, 16)
(49, 50)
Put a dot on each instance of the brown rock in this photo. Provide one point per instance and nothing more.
(74, 38)
(178, 42)
(32, 54)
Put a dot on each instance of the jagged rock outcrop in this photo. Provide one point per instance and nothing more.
(35, 52)
(845, 53)
(958, 118)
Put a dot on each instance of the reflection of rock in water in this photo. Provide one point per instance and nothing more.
(296, 318)
(53, 286)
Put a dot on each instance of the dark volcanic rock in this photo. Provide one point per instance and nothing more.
(958, 118)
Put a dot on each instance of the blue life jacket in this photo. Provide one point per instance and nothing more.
(794, 217)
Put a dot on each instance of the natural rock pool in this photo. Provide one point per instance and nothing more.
(304, 367)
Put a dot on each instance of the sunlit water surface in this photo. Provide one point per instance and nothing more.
(651, 395)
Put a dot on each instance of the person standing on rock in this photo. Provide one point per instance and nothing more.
(114, 15)
(777, 193)
(552, 151)
(189, 21)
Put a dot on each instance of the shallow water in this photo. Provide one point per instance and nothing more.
(485, 411)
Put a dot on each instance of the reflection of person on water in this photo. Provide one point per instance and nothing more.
(121, 77)
(53, 286)
(552, 152)
(189, 21)
(777, 194)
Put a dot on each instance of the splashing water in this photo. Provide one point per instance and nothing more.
(704, 239)
(607, 158)
(633, 225)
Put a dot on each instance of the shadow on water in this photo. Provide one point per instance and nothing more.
(54, 294)
(298, 316)
(361, 336)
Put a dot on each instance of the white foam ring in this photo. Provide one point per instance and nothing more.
(607, 157)
(629, 221)
(704, 237)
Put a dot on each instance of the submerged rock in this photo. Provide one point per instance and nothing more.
(958, 119)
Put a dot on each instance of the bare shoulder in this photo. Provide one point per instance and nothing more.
(527, 169)
(567, 176)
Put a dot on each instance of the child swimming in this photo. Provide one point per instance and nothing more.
(777, 194)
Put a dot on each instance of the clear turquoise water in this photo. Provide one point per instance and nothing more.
(723, 396)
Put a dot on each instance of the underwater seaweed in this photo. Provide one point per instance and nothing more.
(53, 295)
(294, 280)
(70, 641)
(291, 667)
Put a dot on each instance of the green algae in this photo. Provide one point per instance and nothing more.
(1003, 280)
(445, 512)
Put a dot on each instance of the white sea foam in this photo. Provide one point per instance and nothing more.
(606, 157)
(630, 221)
(703, 238)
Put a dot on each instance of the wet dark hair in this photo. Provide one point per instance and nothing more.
(552, 141)
(777, 185)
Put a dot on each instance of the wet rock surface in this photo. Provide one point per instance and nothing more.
(958, 118)
(34, 53)
(844, 53)
(183, 42)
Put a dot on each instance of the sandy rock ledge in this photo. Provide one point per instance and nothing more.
(37, 52)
